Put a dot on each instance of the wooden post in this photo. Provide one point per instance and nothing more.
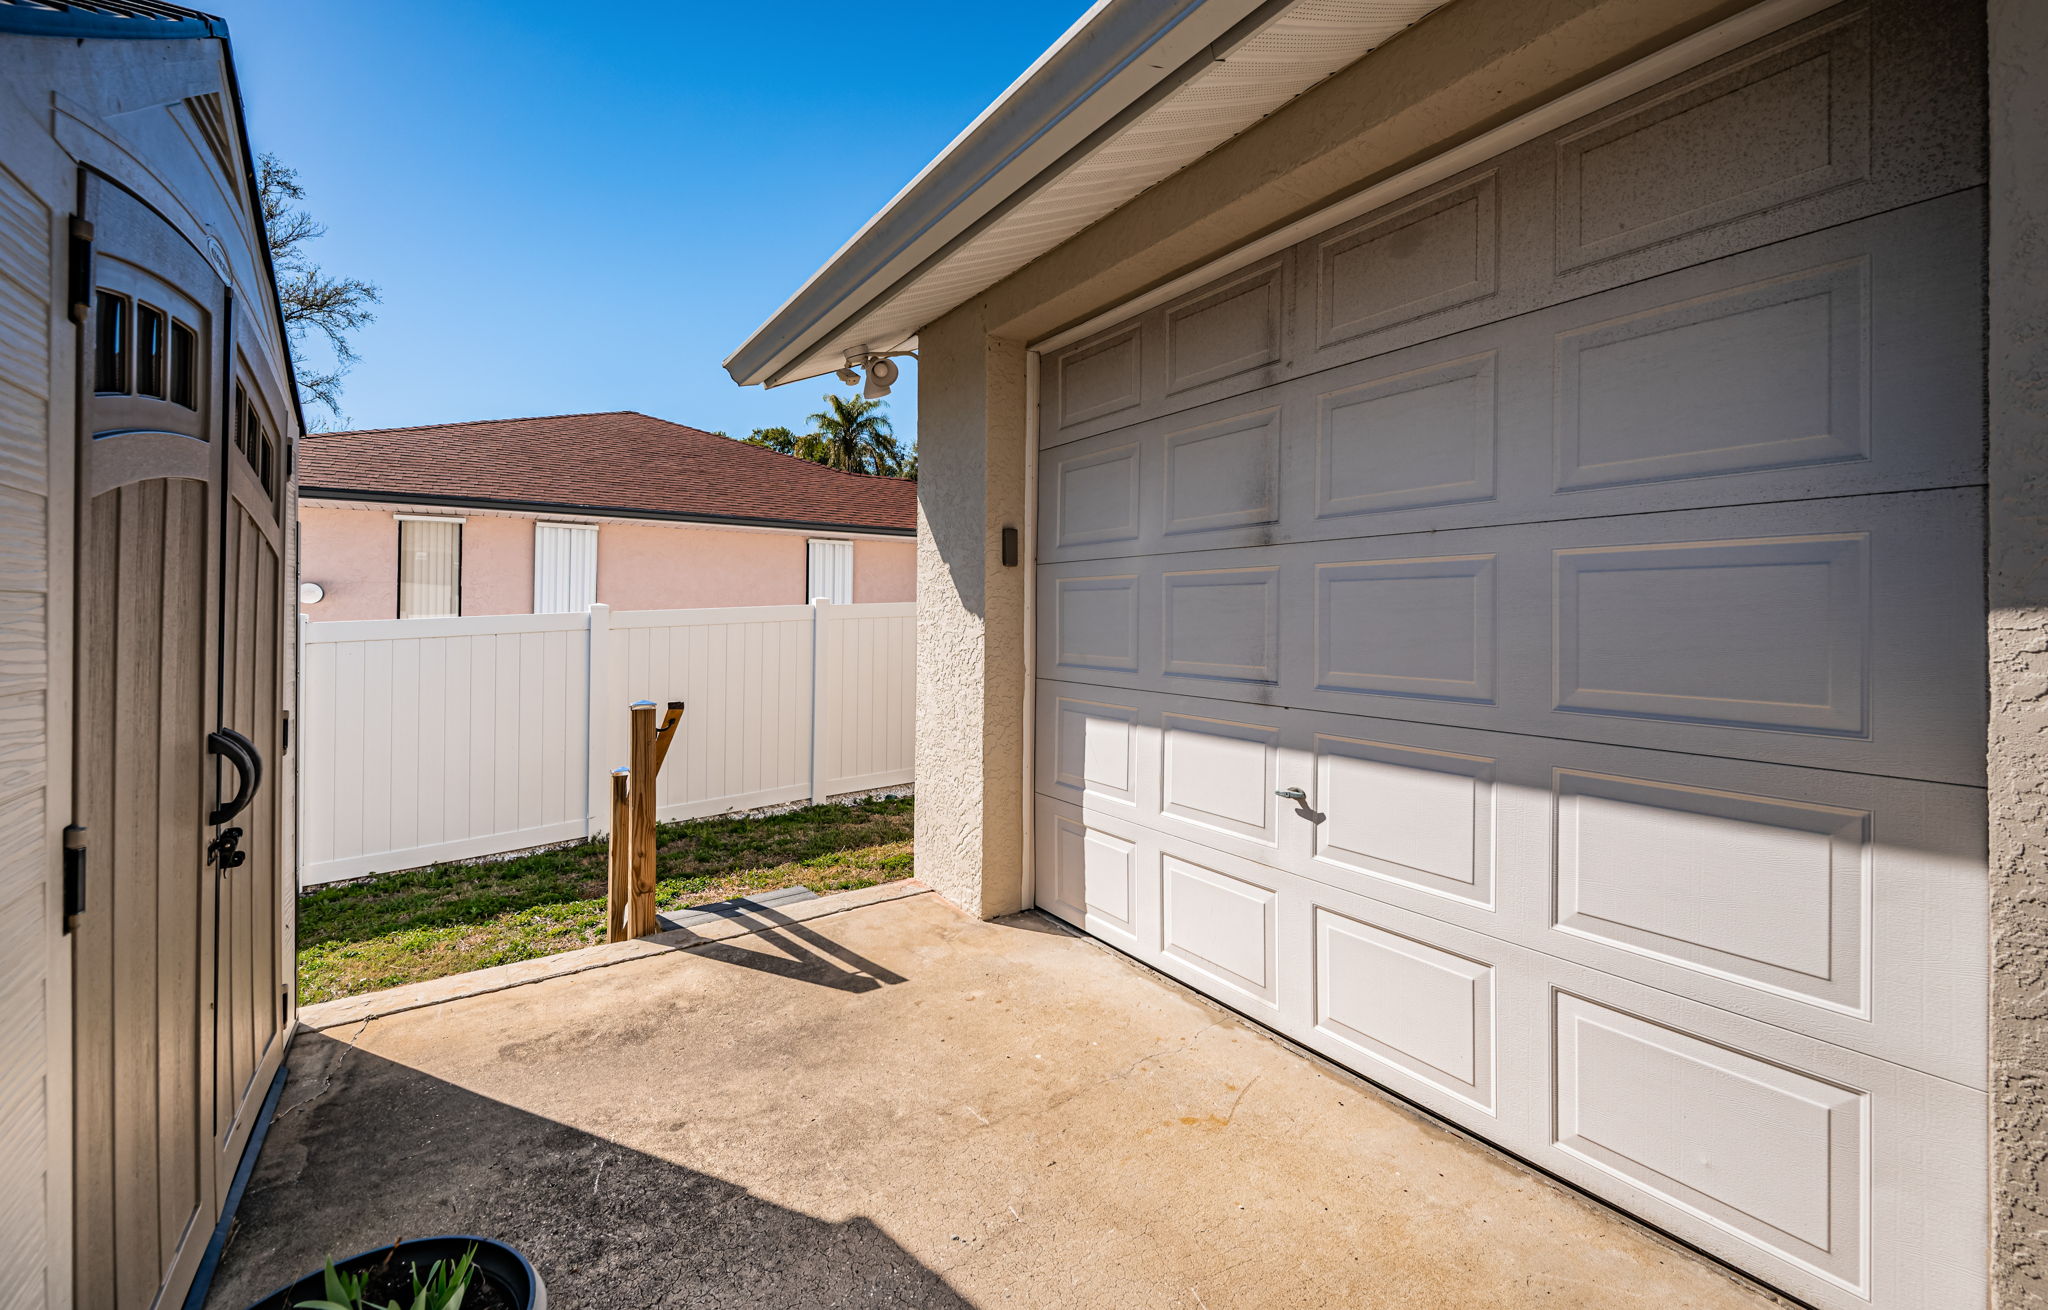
(640, 919)
(666, 736)
(619, 888)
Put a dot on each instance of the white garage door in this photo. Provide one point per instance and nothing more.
(1594, 542)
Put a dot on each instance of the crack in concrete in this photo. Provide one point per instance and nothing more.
(327, 1083)
(1231, 1113)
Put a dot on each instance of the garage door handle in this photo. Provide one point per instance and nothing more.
(1295, 794)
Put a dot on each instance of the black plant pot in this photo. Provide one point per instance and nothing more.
(499, 1262)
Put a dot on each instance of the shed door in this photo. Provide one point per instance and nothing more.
(1526, 644)
(175, 955)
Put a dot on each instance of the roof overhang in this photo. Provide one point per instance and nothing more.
(1134, 92)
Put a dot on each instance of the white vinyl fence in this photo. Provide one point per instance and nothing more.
(443, 739)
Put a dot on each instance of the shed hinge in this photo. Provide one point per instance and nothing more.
(285, 739)
(74, 875)
(81, 269)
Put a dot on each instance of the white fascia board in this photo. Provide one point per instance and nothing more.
(1108, 60)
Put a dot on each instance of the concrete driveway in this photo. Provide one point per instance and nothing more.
(887, 1103)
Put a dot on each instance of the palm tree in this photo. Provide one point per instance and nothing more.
(854, 436)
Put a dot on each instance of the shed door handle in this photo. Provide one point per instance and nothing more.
(239, 751)
(1292, 794)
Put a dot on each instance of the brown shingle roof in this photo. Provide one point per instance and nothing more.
(622, 461)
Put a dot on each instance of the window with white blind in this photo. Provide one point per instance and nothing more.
(429, 568)
(564, 567)
(831, 571)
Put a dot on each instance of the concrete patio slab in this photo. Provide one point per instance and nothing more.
(896, 1105)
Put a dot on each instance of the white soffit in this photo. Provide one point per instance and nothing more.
(1266, 61)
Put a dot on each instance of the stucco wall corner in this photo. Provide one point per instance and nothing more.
(2017, 740)
(970, 616)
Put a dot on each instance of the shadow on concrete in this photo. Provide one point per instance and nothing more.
(804, 952)
(364, 1151)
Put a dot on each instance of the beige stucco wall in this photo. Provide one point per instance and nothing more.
(2017, 758)
(353, 553)
(970, 618)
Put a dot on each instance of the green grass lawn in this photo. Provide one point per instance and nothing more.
(450, 918)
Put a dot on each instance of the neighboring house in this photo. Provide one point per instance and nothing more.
(1504, 587)
(537, 515)
(147, 815)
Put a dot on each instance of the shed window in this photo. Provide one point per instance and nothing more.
(831, 571)
(429, 568)
(184, 366)
(151, 351)
(256, 441)
(110, 353)
(564, 567)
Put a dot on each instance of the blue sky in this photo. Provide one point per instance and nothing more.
(575, 208)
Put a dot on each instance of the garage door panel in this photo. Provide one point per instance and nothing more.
(1769, 633)
(1406, 1003)
(1223, 925)
(1218, 775)
(1772, 1154)
(1839, 1178)
(1860, 111)
(1234, 333)
(1764, 375)
(1786, 121)
(1844, 905)
(1767, 376)
(1760, 889)
(1832, 1173)
(1423, 818)
(1838, 633)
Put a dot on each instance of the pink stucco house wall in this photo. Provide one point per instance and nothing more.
(501, 516)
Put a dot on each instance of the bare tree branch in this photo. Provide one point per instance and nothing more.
(309, 298)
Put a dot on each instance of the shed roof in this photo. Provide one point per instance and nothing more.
(621, 463)
(115, 18)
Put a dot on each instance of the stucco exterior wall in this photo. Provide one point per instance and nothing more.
(970, 618)
(497, 566)
(353, 553)
(884, 571)
(652, 566)
(2017, 756)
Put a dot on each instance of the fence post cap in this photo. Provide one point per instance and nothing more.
(621, 772)
(641, 705)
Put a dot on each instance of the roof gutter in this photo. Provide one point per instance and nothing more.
(1117, 53)
(309, 492)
